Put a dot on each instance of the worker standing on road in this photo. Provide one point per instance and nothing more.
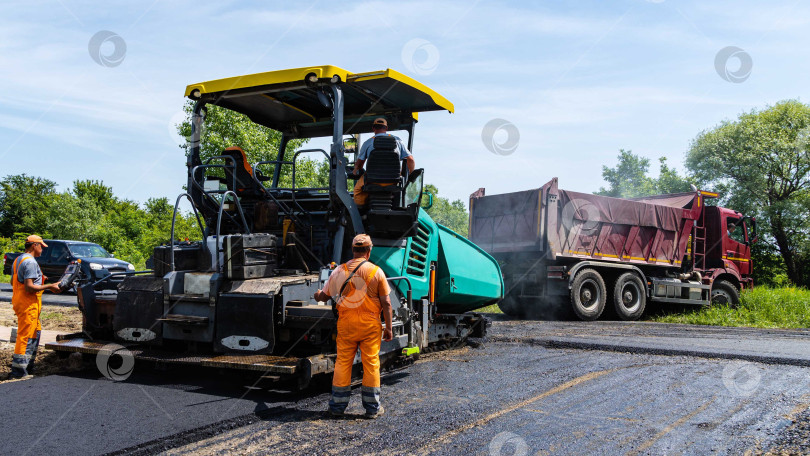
(28, 283)
(361, 290)
(380, 128)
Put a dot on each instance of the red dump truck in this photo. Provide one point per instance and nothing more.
(558, 247)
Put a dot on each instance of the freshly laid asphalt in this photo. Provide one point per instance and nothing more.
(518, 393)
(777, 346)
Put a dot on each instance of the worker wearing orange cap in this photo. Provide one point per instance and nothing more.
(28, 283)
(361, 290)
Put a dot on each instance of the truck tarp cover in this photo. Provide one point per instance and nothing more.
(514, 221)
(595, 208)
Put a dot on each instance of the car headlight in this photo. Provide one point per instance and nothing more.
(130, 267)
(96, 266)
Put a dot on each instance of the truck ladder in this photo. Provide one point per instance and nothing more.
(699, 245)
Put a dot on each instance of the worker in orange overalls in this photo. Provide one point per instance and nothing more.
(361, 291)
(28, 283)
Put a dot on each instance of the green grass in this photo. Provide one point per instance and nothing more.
(761, 307)
(5, 278)
(493, 309)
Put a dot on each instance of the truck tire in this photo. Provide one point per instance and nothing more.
(724, 292)
(629, 296)
(512, 306)
(588, 295)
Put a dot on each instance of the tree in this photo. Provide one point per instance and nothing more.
(451, 214)
(90, 211)
(95, 191)
(24, 202)
(629, 179)
(223, 128)
(761, 162)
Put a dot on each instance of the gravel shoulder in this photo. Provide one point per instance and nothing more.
(56, 318)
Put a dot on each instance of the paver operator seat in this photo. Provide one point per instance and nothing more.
(384, 182)
(245, 184)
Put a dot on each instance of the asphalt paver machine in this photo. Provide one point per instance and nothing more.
(241, 297)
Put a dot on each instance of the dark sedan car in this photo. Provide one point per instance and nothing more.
(96, 263)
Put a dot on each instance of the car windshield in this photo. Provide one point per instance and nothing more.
(88, 251)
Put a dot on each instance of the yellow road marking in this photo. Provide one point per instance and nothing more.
(480, 422)
(669, 428)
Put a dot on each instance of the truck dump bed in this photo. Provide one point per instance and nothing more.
(559, 223)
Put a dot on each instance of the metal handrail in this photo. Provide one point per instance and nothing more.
(305, 151)
(295, 156)
(118, 274)
(174, 218)
(408, 304)
(219, 220)
(270, 195)
(207, 193)
(222, 157)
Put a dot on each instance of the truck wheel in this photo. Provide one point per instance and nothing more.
(723, 292)
(588, 295)
(513, 306)
(629, 298)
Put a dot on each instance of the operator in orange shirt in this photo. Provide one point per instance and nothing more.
(361, 290)
(27, 284)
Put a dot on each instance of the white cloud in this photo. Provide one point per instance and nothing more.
(578, 82)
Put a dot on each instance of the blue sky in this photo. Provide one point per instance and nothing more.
(579, 80)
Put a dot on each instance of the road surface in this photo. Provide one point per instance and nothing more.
(515, 394)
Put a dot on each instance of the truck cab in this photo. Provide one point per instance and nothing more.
(729, 235)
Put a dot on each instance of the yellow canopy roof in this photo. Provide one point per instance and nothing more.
(287, 100)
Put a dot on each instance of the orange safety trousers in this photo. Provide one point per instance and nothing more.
(358, 326)
(28, 307)
(357, 329)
